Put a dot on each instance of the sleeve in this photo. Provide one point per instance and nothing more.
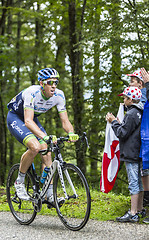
(147, 90)
(124, 130)
(29, 99)
(143, 98)
(61, 104)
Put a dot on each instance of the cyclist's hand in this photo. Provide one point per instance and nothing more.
(73, 137)
(46, 139)
(54, 139)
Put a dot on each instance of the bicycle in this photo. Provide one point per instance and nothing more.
(69, 183)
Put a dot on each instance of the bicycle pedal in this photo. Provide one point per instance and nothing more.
(15, 200)
(44, 201)
(50, 205)
(61, 203)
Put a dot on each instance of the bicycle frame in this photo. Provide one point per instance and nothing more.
(68, 178)
(57, 164)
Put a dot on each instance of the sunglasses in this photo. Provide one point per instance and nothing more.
(51, 82)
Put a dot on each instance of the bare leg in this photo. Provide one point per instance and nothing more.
(28, 157)
(46, 159)
(140, 201)
(46, 162)
(26, 160)
(145, 181)
(134, 203)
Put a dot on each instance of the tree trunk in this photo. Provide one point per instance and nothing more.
(3, 149)
(3, 128)
(5, 4)
(96, 85)
(38, 38)
(115, 71)
(18, 54)
(8, 75)
(94, 127)
(77, 83)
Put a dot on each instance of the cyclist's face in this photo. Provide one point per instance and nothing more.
(49, 88)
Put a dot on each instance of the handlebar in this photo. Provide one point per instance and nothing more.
(60, 140)
(65, 139)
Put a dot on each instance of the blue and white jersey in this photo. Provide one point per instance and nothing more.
(32, 98)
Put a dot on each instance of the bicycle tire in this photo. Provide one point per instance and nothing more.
(23, 211)
(75, 212)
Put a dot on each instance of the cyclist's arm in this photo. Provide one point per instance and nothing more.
(31, 125)
(66, 124)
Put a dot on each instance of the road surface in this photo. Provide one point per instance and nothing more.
(51, 228)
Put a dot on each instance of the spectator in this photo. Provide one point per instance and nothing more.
(128, 133)
(145, 134)
(138, 81)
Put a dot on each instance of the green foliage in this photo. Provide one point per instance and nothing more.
(103, 206)
(112, 39)
(108, 206)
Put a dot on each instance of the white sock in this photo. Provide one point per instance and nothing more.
(21, 177)
(50, 191)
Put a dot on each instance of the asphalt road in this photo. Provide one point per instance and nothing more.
(51, 228)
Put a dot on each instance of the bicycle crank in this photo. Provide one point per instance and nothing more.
(37, 202)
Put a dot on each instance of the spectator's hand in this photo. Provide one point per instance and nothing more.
(110, 117)
(73, 137)
(145, 75)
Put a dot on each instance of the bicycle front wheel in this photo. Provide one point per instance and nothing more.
(75, 211)
(22, 210)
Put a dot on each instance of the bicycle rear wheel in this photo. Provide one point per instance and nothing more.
(22, 210)
(75, 212)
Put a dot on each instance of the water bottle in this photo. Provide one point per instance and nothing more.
(44, 174)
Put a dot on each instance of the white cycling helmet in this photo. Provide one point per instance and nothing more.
(46, 73)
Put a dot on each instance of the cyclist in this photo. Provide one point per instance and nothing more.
(23, 123)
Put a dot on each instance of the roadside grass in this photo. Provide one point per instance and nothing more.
(108, 206)
(104, 207)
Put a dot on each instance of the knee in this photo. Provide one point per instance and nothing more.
(35, 148)
(43, 146)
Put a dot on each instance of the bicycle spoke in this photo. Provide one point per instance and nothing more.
(74, 213)
(22, 210)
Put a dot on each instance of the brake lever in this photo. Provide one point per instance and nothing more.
(86, 141)
(49, 141)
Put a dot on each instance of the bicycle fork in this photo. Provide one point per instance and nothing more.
(63, 184)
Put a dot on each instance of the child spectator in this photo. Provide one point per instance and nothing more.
(138, 81)
(128, 133)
